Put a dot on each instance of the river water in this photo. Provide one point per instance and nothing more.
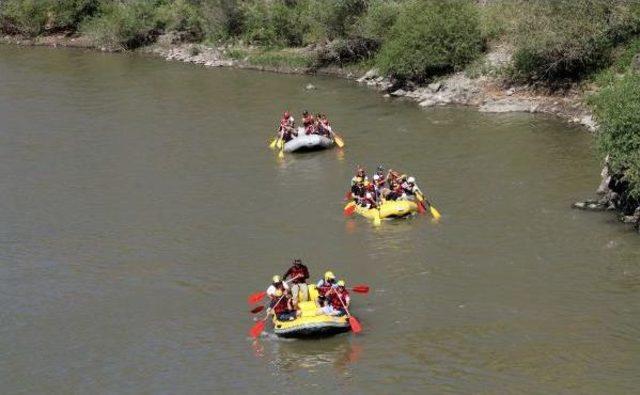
(140, 206)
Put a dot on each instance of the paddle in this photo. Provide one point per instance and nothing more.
(258, 309)
(353, 321)
(360, 288)
(376, 217)
(349, 209)
(434, 211)
(257, 329)
(257, 296)
(338, 140)
(274, 142)
(281, 152)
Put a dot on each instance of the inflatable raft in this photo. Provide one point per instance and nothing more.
(312, 323)
(307, 142)
(389, 209)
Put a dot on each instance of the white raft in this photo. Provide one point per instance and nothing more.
(307, 142)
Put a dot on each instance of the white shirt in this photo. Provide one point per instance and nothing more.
(271, 291)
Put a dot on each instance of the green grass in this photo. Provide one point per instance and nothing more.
(278, 59)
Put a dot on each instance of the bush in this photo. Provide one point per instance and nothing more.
(182, 16)
(129, 25)
(378, 20)
(431, 38)
(33, 17)
(618, 111)
(558, 41)
(272, 24)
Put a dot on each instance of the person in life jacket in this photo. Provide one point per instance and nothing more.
(298, 273)
(339, 298)
(391, 178)
(396, 191)
(276, 284)
(324, 127)
(368, 201)
(410, 188)
(282, 306)
(287, 127)
(360, 176)
(358, 189)
(378, 187)
(324, 285)
(308, 122)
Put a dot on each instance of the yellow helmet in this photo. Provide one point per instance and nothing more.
(329, 276)
(276, 279)
(341, 283)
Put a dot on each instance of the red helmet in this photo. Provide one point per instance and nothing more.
(286, 114)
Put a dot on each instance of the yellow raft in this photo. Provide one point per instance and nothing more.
(389, 209)
(312, 323)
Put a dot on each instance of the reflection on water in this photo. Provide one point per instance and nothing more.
(141, 205)
(286, 356)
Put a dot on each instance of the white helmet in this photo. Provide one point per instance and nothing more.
(411, 180)
(376, 177)
(368, 195)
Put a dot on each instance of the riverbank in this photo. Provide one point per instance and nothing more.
(481, 86)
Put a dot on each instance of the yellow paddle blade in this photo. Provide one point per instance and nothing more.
(279, 144)
(339, 141)
(434, 212)
(376, 218)
(281, 154)
(273, 143)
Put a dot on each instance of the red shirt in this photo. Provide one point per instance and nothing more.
(298, 273)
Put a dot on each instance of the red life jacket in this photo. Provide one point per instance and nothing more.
(281, 305)
(335, 297)
(299, 271)
(308, 120)
(324, 288)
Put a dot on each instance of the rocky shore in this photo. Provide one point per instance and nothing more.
(484, 90)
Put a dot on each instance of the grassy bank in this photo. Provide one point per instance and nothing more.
(555, 44)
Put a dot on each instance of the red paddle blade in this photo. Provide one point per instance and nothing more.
(348, 211)
(257, 329)
(256, 297)
(257, 309)
(363, 289)
(355, 325)
(421, 208)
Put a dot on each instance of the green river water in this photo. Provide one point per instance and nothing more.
(140, 206)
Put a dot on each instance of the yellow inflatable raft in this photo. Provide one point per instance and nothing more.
(312, 322)
(389, 209)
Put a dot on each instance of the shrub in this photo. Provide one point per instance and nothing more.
(33, 17)
(129, 24)
(24, 16)
(182, 16)
(618, 111)
(430, 38)
(559, 41)
(272, 24)
(377, 21)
